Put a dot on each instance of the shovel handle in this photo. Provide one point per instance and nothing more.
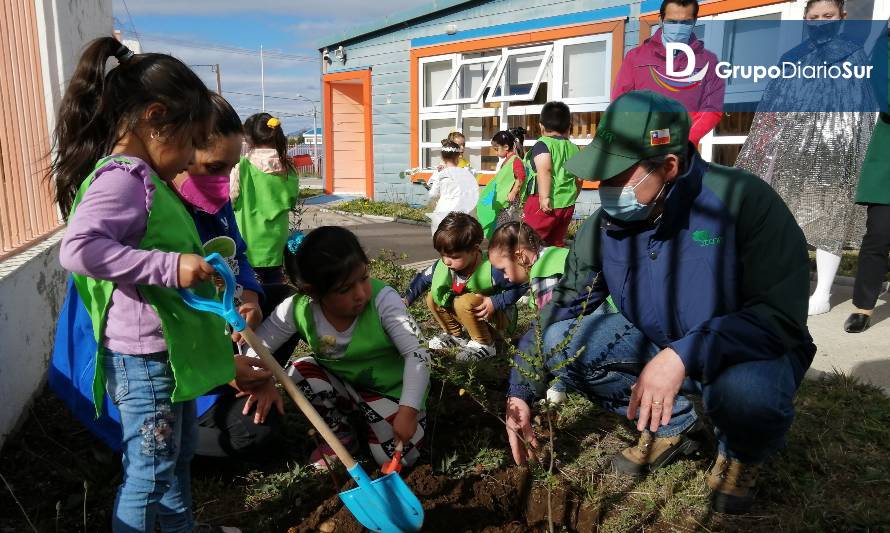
(294, 392)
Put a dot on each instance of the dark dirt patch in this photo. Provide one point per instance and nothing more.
(504, 502)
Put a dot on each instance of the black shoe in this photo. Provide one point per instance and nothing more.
(857, 323)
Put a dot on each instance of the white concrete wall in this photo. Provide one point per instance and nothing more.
(32, 283)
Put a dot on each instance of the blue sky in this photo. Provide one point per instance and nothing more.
(288, 29)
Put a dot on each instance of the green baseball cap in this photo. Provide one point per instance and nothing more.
(636, 126)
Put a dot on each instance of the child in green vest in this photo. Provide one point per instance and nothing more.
(552, 189)
(121, 138)
(465, 290)
(264, 189)
(524, 257)
(367, 355)
(498, 200)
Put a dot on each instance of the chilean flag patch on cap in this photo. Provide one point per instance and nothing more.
(658, 137)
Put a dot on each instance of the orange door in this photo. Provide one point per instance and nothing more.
(348, 138)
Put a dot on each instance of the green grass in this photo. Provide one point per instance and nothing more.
(305, 194)
(364, 206)
(834, 474)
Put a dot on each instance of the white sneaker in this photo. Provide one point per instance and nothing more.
(556, 396)
(818, 305)
(443, 341)
(475, 351)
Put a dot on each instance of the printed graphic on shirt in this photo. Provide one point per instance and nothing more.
(225, 246)
(705, 238)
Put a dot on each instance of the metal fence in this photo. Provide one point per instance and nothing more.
(27, 210)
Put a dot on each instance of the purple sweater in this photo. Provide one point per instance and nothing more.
(102, 242)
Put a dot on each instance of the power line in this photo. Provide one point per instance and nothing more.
(217, 47)
(132, 23)
(272, 112)
(276, 97)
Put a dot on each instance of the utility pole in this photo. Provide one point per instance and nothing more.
(262, 80)
(218, 80)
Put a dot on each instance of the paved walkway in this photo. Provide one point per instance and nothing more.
(865, 355)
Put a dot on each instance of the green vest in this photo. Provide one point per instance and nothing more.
(480, 282)
(198, 346)
(262, 210)
(493, 198)
(563, 189)
(551, 262)
(371, 361)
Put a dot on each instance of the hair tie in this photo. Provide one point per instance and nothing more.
(273, 122)
(294, 241)
(122, 53)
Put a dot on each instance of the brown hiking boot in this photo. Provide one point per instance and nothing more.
(732, 484)
(651, 452)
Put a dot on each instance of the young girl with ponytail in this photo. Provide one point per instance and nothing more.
(264, 189)
(122, 135)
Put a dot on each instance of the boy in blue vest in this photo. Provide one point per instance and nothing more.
(465, 290)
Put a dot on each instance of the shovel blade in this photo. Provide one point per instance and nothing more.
(385, 504)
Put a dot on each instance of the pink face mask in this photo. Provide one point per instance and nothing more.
(207, 193)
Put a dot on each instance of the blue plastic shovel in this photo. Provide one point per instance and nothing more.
(385, 504)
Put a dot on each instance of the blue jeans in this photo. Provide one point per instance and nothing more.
(159, 439)
(750, 404)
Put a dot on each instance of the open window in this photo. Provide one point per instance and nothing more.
(468, 80)
(519, 74)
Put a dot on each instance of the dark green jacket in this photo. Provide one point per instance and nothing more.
(722, 277)
(874, 181)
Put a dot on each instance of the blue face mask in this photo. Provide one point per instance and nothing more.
(823, 30)
(676, 32)
(621, 202)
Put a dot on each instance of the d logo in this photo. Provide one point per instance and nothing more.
(671, 49)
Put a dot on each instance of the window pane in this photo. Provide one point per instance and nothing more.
(471, 78)
(726, 154)
(432, 157)
(584, 66)
(435, 130)
(531, 123)
(584, 124)
(735, 123)
(480, 128)
(482, 158)
(519, 74)
(742, 42)
(435, 76)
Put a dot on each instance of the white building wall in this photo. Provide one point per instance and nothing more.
(32, 283)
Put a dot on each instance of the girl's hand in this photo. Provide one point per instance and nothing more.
(519, 430)
(251, 313)
(484, 310)
(404, 425)
(250, 373)
(193, 270)
(545, 205)
(263, 397)
(512, 196)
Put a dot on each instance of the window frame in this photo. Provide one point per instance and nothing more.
(421, 64)
(506, 54)
(558, 70)
(456, 78)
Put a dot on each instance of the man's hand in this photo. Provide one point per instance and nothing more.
(654, 392)
(519, 424)
(193, 270)
(484, 310)
(248, 378)
(263, 398)
(404, 425)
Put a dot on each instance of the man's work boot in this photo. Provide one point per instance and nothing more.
(732, 485)
(651, 452)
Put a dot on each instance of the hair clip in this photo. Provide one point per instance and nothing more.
(123, 53)
(294, 241)
(273, 122)
(450, 149)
